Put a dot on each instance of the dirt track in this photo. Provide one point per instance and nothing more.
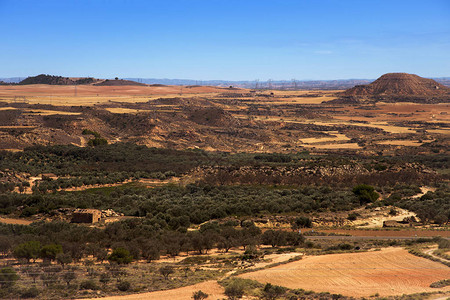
(392, 271)
(390, 233)
(212, 288)
(15, 221)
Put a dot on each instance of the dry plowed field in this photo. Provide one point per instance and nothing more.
(391, 271)
(212, 288)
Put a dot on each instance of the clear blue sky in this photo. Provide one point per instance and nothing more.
(225, 39)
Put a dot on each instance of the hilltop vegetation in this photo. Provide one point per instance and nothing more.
(55, 80)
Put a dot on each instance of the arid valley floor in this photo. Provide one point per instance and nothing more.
(209, 188)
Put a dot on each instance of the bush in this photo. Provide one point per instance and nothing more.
(353, 216)
(301, 222)
(31, 292)
(97, 142)
(345, 246)
(393, 212)
(123, 285)
(440, 284)
(444, 244)
(272, 292)
(199, 295)
(166, 271)
(8, 277)
(235, 289)
(88, 285)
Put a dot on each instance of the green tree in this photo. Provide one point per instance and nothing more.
(49, 252)
(28, 250)
(5, 245)
(365, 193)
(120, 256)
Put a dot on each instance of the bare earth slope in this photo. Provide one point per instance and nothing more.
(399, 84)
(221, 119)
(391, 271)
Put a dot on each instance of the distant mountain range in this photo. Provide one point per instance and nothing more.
(255, 84)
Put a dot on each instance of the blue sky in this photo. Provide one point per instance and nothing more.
(225, 39)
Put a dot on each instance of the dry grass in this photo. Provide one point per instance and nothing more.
(300, 100)
(336, 138)
(391, 271)
(400, 143)
(334, 146)
(439, 131)
(90, 95)
(120, 110)
(44, 112)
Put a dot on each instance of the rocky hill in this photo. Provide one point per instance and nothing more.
(399, 84)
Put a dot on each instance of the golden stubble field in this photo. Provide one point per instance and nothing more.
(68, 95)
(391, 271)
